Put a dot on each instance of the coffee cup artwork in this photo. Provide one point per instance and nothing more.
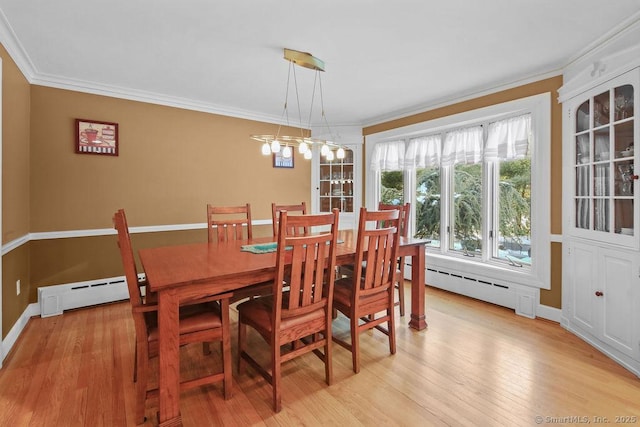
(94, 137)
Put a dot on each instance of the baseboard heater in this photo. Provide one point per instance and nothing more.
(522, 299)
(55, 299)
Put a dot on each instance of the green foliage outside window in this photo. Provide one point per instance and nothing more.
(392, 191)
(514, 203)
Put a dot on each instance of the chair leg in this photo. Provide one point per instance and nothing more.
(355, 343)
(141, 384)
(392, 330)
(135, 364)
(226, 350)
(276, 375)
(242, 335)
(328, 363)
(401, 296)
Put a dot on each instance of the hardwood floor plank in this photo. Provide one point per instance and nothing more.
(476, 364)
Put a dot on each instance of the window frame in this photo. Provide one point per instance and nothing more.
(539, 106)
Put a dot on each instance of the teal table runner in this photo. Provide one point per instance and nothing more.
(265, 248)
(260, 248)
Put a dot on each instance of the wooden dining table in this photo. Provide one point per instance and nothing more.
(183, 272)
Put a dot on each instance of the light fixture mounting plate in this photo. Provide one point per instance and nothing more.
(303, 59)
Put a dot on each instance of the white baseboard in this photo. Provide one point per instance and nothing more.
(549, 313)
(18, 327)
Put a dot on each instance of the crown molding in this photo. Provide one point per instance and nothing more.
(616, 32)
(26, 66)
(461, 97)
(150, 97)
(14, 48)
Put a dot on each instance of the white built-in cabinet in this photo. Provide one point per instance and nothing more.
(338, 184)
(601, 209)
(604, 303)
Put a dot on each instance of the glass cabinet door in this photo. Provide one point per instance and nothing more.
(604, 162)
(336, 183)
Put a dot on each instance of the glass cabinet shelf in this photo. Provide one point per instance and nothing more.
(604, 163)
(337, 183)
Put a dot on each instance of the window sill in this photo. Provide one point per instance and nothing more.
(494, 271)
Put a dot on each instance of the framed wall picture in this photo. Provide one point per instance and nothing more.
(282, 162)
(95, 137)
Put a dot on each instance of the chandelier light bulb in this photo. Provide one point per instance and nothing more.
(303, 147)
(329, 156)
(275, 146)
(325, 150)
(266, 149)
(286, 152)
(340, 153)
(307, 154)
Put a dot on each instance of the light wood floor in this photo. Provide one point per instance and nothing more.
(476, 365)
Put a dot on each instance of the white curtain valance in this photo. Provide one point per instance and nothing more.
(508, 139)
(388, 156)
(424, 152)
(462, 146)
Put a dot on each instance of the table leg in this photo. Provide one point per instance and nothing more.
(417, 288)
(169, 358)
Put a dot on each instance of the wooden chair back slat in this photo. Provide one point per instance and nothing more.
(275, 217)
(404, 232)
(225, 223)
(404, 210)
(128, 260)
(378, 249)
(312, 260)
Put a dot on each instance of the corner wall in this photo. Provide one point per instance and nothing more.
(15, 188)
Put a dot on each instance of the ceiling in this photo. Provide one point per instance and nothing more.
(384, 59)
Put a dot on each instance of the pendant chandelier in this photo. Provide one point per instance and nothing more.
(285, 144)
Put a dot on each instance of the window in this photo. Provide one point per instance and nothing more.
(428, 205)
(475, 190)
(388, 163)
(392, 188)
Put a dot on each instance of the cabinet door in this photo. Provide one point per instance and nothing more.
(337, 184)
(604, 127)
(584, 273)
(618, 296)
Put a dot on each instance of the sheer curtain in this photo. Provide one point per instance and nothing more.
(462, 146)
(424, 152)
(388, 156)
(508, 139)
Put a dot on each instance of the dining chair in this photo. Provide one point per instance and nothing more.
(145, 294)
(404, 232)
(299, 312)
(228, 223)
(367, 297)
(275, 215)
(201, 321)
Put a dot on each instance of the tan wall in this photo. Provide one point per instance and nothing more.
(15, 150)
(15, 188)
(172, 163)
(553, 296)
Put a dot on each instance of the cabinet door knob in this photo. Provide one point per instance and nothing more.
(599, 293)
(634, 177)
